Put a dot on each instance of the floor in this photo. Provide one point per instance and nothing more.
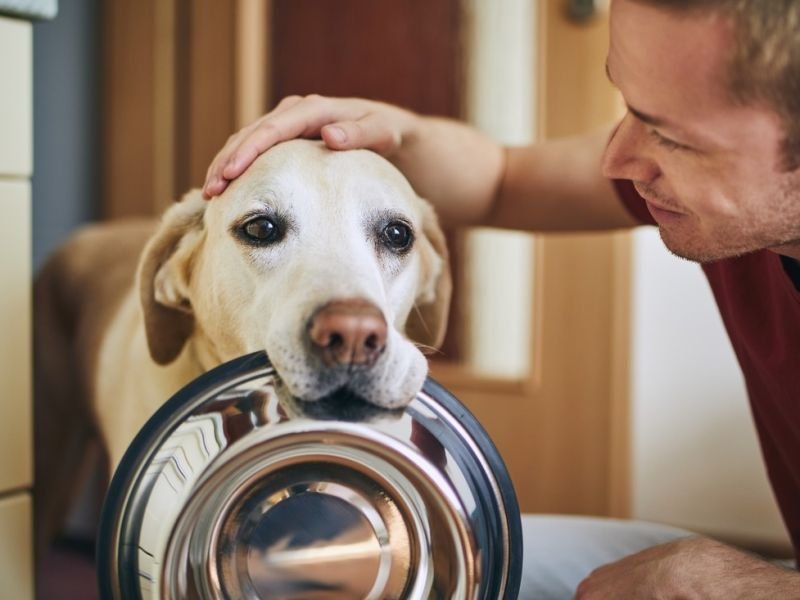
(67, 572)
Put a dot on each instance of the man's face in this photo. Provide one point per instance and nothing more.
(709, 169)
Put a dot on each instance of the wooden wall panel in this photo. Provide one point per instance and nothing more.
(590, 273)
(253, 68)
(175, 74)
(406, 52)
(128, 144)
(208, 99)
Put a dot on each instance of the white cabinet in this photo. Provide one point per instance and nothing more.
(16, 549)
(16, 99)
(16, 140)
(15, 336)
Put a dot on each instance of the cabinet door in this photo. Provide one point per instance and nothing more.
(15, 334)
(16, 101)
(16, 106)
(16, 548)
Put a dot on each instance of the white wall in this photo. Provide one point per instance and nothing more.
(501, 102)
(696, 461)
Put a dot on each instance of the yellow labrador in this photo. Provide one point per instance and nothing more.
(326, 260)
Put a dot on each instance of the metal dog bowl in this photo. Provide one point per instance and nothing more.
(232, 491)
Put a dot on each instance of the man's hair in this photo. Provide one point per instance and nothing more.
(765, 64)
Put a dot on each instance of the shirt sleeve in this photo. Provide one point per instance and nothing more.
(632, 201)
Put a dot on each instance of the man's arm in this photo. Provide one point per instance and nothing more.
(691, 568)
(470, 178)
(558, 186)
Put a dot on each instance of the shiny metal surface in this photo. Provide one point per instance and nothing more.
(234, 491)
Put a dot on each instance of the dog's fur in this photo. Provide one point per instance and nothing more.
(110, 348)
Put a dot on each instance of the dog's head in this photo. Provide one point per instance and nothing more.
(327, 260)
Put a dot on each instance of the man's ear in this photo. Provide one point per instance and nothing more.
(164, 275)
(427, 322)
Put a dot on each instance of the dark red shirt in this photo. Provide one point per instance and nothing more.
(760, 307)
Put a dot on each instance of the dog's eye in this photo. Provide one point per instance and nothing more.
(397, 236)
(262, 230)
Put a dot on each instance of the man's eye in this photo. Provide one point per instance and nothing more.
(666, 142)
(261, 230)
(397, 236)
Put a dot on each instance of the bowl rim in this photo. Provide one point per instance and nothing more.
(172, 412)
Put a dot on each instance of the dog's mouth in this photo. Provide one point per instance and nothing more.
(317, 382)
(391, 381)
(342, 404)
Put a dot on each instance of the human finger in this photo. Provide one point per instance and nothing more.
(302, 119)
(215, 183)
(371, 131)
(216, 180)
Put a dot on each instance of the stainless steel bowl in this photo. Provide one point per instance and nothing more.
(233, 491)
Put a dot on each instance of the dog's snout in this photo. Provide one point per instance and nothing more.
(348, 332)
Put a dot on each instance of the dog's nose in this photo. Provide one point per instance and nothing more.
(348, 332)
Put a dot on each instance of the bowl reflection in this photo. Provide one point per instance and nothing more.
(232, 490)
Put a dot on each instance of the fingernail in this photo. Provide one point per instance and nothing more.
(337, 134)
(229, 166)
(212, 188)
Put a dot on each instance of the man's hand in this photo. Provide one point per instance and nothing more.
(342, 123)
(453, 165)
(690, 568)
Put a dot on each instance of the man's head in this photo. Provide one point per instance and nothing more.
(712, 136)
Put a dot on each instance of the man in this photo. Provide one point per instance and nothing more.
(708, 151)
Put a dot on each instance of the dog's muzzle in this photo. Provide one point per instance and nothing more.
(233, 491)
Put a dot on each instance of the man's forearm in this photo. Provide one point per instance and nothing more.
(453, 165)
(558, 185)
(691, 568)
(471, 179)
(741, 576)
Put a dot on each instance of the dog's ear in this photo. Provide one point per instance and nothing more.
(427, 321)
(164, 275)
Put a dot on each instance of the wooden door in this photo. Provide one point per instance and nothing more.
(562, 427)
(199, 69)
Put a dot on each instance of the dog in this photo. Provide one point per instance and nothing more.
(328, 261)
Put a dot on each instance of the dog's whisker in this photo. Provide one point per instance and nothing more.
(421, 319)
(428, 350)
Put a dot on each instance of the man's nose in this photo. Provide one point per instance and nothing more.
(627, 153)
(348, 332)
